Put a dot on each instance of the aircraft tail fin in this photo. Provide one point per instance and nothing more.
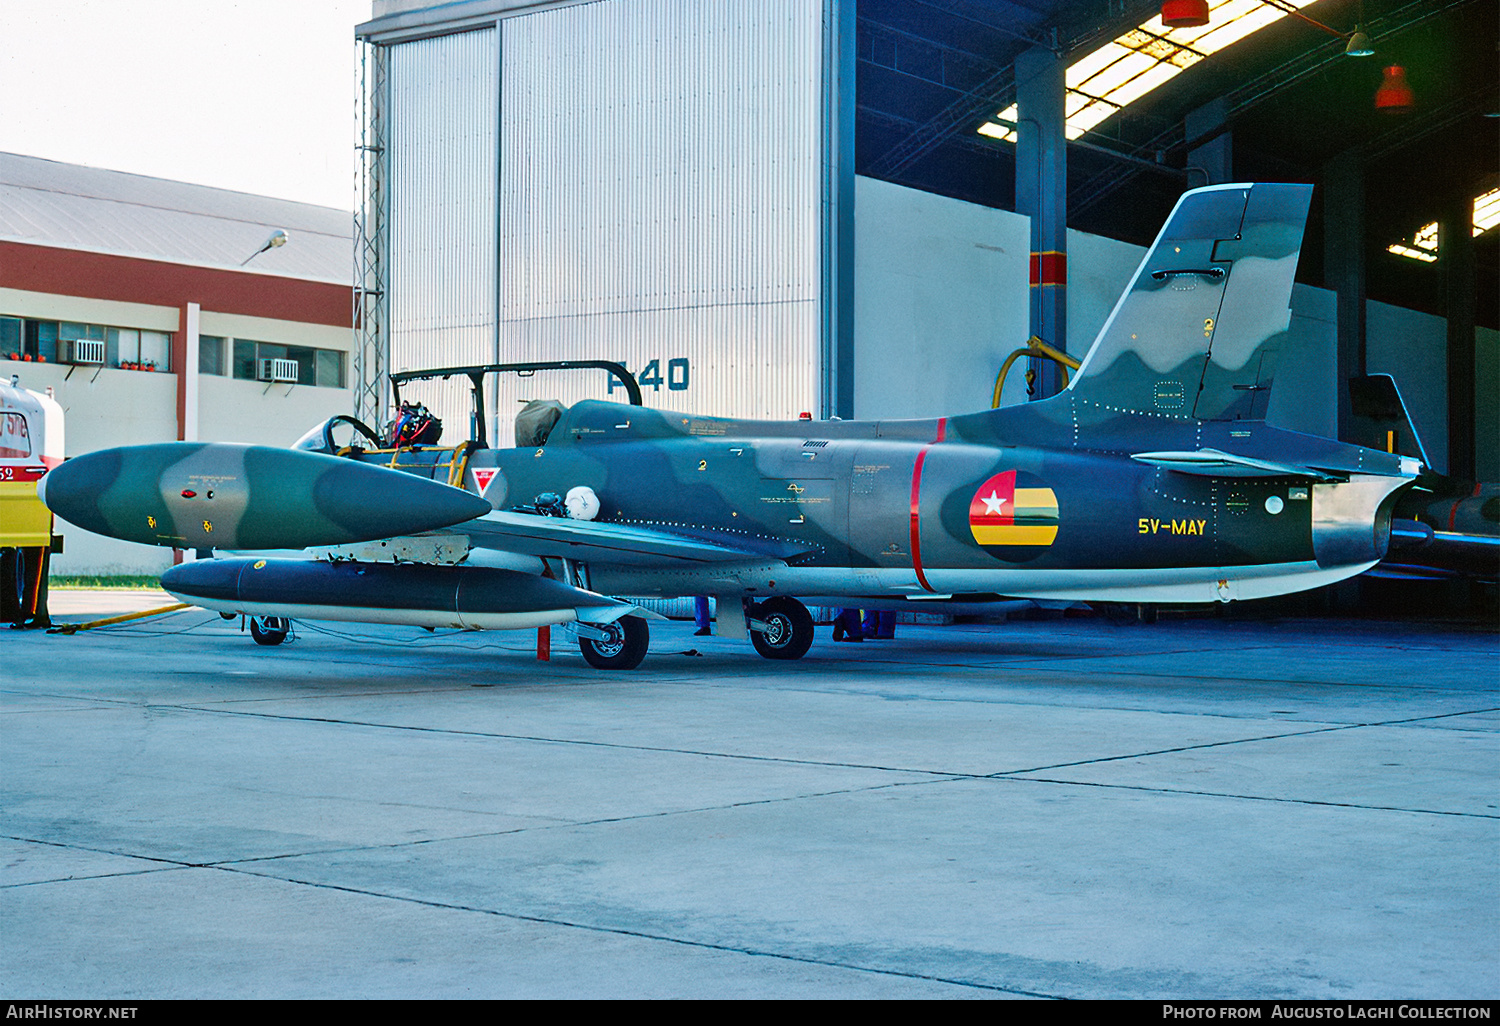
(1197, 332)
(1381, 420)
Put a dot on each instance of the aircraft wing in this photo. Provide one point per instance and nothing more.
(621, 544)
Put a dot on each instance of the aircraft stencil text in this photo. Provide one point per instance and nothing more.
(1151, 525)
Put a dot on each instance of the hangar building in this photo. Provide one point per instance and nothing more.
(769, 207)
(765, 207)
(147, 309)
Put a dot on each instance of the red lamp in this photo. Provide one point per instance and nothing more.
(1394, 95)
(1184, 13)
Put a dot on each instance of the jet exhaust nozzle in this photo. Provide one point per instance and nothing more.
(1351, 520)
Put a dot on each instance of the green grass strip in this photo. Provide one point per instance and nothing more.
(130, 582)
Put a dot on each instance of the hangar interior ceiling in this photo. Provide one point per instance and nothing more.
(931, 72)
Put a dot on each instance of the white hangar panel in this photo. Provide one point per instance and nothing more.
(662, 183)
(661, 201)
(443, 173)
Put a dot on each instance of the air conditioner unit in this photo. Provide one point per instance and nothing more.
(278, 370)
(85, 351)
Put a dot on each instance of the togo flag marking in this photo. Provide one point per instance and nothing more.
(1003, 514)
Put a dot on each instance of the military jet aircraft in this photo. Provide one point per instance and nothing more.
(1152, 477)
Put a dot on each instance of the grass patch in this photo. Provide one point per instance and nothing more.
(118, 582)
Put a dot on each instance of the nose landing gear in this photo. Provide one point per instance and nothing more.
(621, 645)
(269, 630)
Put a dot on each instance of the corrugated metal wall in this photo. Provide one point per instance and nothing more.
(443, 183)
(660, 200)
(630, 180)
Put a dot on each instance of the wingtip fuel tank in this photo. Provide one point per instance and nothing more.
(208, 495)
(417, 594)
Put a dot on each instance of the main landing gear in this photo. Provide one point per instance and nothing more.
(621, 646)
(781, 628)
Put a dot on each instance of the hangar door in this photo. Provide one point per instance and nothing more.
(632, 180)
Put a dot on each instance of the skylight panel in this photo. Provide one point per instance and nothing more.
(1415, 254)
(1130, 65)
(1137, 62)
(1423, 245)
(1140, 85)
(1092, 63)
(1004, 125)
(1003, 132)
(1486, 211)
(1075, 102)
(1240, 18)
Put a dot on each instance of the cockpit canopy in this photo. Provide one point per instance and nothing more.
(337, 434)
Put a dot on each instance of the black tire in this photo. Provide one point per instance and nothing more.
(789, 632)
(269, 630)
(629, 638)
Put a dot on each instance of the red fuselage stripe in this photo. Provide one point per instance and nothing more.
(916, 507)
(1453, 513)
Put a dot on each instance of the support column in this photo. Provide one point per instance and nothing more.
(1213, 155)
(185, 364)
(1042, 195)
(1460, 282)
(371, 357)
(836, 387)
(1344, 269)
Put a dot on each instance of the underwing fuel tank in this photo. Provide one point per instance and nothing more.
(210, 495)
(415, 594)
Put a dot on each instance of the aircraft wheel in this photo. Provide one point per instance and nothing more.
(789, 628)
(626, 646)
(269, 630)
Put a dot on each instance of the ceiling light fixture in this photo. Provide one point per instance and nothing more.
(1359, 43)
(1184, 13)
(1394, 95)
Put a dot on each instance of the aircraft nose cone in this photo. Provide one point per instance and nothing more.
(74, 489)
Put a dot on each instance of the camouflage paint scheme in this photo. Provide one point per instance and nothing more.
(197, 495)
(1152, 477)
(1183, 367)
